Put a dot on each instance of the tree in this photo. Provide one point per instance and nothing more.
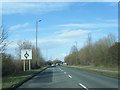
(114, 51)
(3, 39)
(72, 58)
(23, 45)
(103, 52)
(37, 58)
(56, 61)
(88, 49)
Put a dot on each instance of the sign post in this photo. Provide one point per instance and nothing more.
(23, 65)
(29, 65)
(26, 54)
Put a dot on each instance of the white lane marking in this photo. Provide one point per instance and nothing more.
(60, 69)
(64, 72)
(70, 76)
(83, 86)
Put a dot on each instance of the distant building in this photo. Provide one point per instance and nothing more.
(64, 63)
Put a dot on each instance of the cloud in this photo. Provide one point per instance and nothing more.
(107, 20)
(79, 25)
(62, 55)
(15, 27)
(29, 30)
(32, 8)
(61, 1)
(92, 25)
(43, 41)
(71, 33)
(51, 43)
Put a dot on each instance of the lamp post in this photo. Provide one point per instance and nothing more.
(36, 37)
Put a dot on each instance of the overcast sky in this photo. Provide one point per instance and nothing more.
(62, 24)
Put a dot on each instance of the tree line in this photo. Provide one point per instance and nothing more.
(103, 52)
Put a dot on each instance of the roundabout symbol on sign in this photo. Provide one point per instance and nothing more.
(26, 55)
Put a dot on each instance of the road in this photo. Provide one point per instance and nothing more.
(64, 77)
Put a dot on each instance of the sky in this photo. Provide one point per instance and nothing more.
(63, 24)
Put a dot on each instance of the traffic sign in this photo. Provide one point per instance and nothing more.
(26, 54)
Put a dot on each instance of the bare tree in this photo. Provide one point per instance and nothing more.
(23, 45)
(103, 52)
(3, 39)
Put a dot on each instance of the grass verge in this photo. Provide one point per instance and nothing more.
(102, 67)
(110, 74)
(8, 81)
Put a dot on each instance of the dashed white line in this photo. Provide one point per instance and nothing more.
(60, 69)
(79, 83)
(64, 72)
(83, 86)
(70, 76)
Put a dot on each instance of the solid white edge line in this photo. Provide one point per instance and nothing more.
(83, 86)
(70, 76)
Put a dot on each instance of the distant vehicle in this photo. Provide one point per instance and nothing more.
(56, 64)
(53, 65)
(64, 63)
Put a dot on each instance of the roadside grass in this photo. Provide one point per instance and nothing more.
(110, 74)
(115, 68)
(8, 81)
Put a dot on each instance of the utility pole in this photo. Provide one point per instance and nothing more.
(76, 44)
(46, 54)
(76, 52)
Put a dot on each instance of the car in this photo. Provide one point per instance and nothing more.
(53, 65)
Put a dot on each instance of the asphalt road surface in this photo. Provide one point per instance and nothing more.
(63, 77)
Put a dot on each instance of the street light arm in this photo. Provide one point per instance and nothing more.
(38, 20)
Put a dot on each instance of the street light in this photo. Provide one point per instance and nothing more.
(37, 30)
(36, 35)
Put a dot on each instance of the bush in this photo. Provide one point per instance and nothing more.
(10, 66)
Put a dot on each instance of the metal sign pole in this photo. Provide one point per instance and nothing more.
(29, 65)
(23, 65)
